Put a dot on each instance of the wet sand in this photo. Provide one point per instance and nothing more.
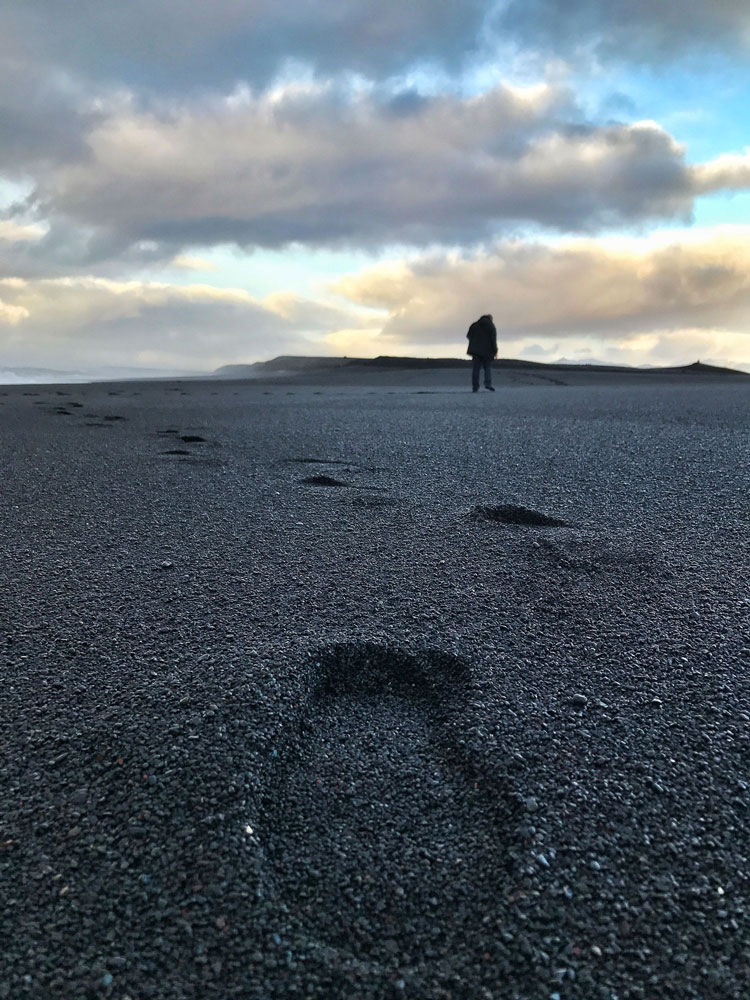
(301, 697)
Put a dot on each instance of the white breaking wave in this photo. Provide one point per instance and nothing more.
(10, 376)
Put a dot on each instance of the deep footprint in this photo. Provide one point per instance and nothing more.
(509, 513)
(323, 481)
(381, 838)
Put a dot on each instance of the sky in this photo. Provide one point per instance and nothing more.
(184, 185)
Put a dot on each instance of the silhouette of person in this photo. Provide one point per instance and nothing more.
(482, 337)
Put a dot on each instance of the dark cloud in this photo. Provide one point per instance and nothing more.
(651, 30)
(118, 176)
(308, 167)
(67, 247)
(168, 44)
(178, 45)
(42, 120)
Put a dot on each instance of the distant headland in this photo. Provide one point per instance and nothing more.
(300, 365)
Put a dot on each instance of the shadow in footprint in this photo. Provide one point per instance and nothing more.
(509, 513)
(383, 836)
(323, 481)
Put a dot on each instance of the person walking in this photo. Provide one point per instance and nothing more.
(482, 347)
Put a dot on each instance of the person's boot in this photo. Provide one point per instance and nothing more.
(490, 388)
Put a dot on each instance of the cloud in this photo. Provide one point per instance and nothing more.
(87, 321)
(677, 347)
(11, 315)
(313, 165)
(14, 232)
(611, 290)
(180, 45)
(632, 301)
(188, 262)
(173, 46)
(652, 30)
(311, 315)
(44, 117)
(730, 172)
(656, 349)
(134, 137)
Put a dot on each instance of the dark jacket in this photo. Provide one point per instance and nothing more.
(482, 339)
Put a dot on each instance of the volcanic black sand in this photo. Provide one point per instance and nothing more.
(375, 691)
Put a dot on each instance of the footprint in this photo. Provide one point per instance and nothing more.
(177, 451)
(112, 417)
(323, 481)
(512, 514)
(328, 465)
(192, 438)
(382, 836)
(621, 553)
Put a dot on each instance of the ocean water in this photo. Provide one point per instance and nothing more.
(50, 376)
(22, 376)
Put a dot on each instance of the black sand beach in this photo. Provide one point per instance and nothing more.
(302, 697)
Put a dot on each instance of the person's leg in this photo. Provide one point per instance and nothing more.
(488, 374)
(476, 364)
